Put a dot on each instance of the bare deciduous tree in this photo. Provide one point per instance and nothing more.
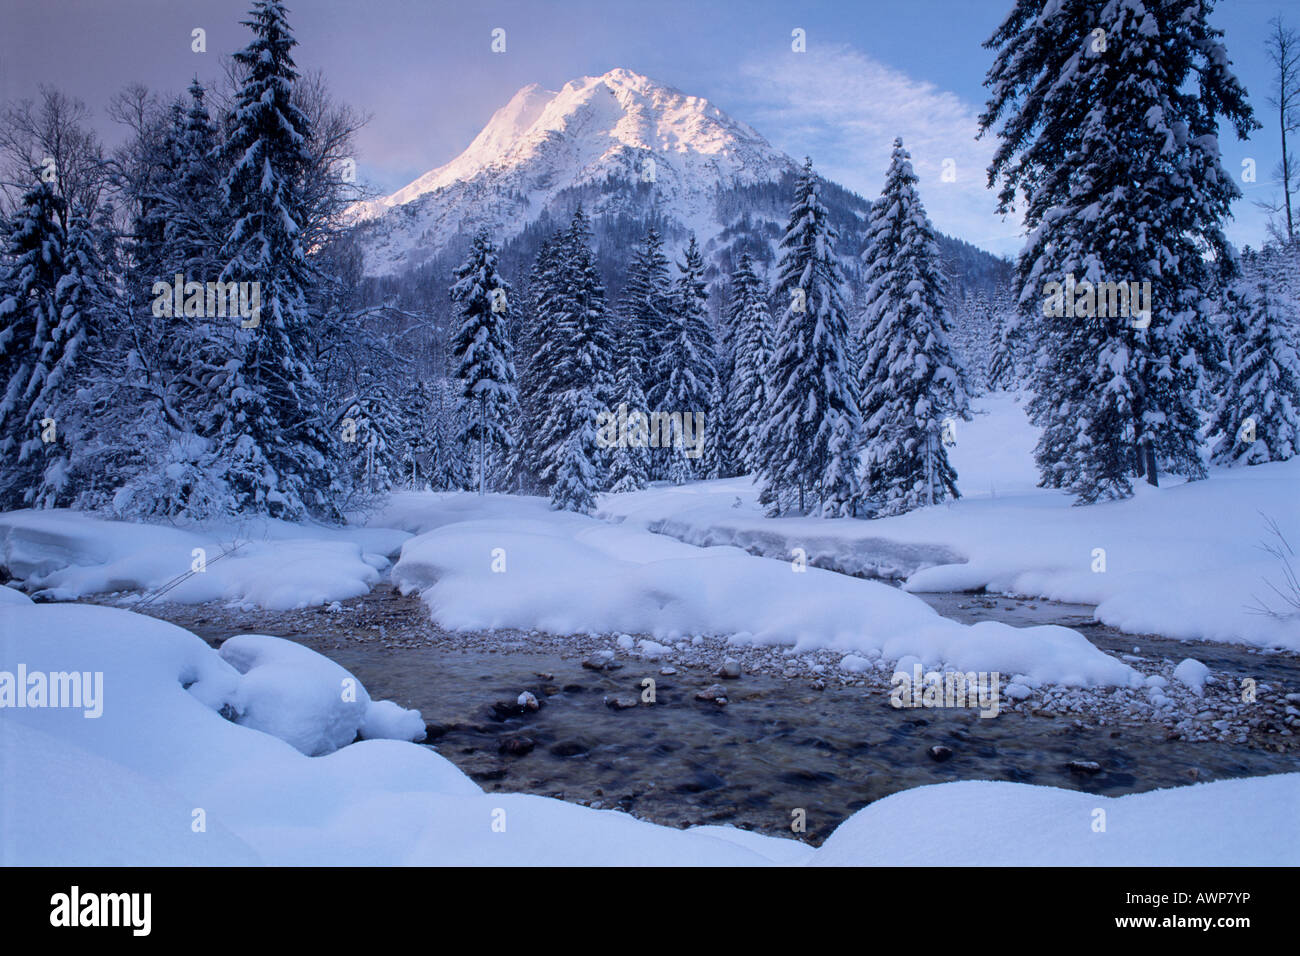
(1283, 48)
(53, 139)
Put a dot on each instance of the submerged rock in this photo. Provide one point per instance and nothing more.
(730, 669)
(570, 748)
(714, 692)
(516, 746)
(601, 661)
(525, 703)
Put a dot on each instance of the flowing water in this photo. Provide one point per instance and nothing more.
(777, 747)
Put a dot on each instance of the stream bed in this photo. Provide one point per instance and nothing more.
(806, 739)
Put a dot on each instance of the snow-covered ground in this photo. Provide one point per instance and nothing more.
(1183, 560)
(162, 778)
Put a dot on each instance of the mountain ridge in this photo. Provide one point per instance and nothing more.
(633, 152)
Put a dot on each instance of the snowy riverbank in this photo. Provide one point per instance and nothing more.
(163, 778)
(63, 555)
(1183, 560)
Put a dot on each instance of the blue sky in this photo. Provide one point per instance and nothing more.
(425, 72)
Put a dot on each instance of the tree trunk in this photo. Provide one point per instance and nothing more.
(1151, 466)
(1140, 444)
(929, 466)
(482, 439)
(1286, 164)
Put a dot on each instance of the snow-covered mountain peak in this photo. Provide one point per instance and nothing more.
(621, 126)
(599, 116)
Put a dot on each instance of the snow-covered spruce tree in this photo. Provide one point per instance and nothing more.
(629, 468)
(809, 437)
(910, 379)
(647, 305)
(1211, 345)
(1258, 417)
(647, 309)
(163, 343)
(415, 412)
(1003, 370)
(751, 331)
(272, 449)
(719, 457)
(590, 318)
(370, 428)
(1109, 117)
(576, 475)
(549, 347)
(194, 230)
(537, 343)
(151, 389)
(484, 359)
(181, 231)
(685, 374)
(29, 318)
(66, 451)
(579, 382)
(972, 336)
(434, 408)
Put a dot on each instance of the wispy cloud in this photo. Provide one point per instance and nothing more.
(844, 109)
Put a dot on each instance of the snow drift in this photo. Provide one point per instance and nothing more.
(271, 564)
(524, 566)
(161, 778)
